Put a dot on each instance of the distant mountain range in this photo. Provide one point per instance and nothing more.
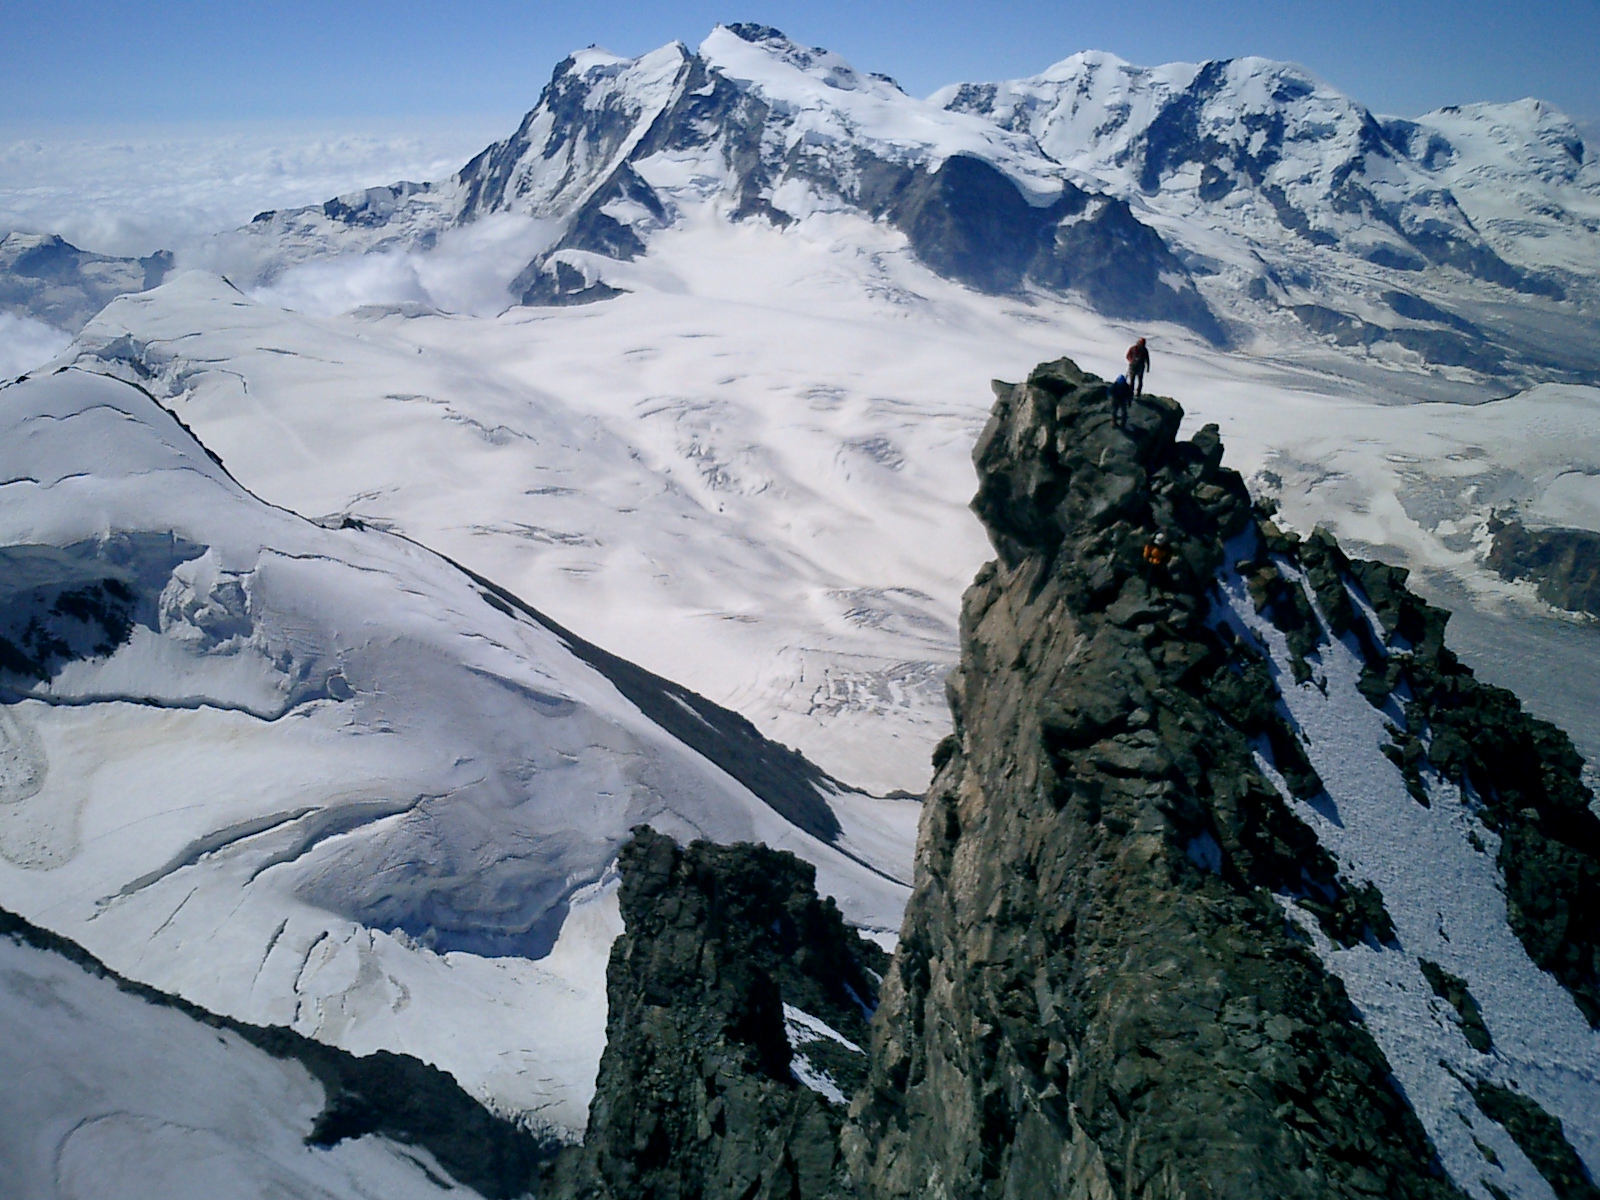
(1224, 196)
(1220, 196)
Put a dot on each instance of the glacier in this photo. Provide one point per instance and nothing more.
(320, 777)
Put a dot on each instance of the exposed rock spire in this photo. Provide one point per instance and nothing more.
(1096, 993)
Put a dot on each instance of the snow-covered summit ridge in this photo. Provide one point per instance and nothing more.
(1454, 236)
(1209, 128)
(598, 109)
(865, 111)
(752, 125)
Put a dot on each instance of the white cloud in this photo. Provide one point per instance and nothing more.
(137, 190)
(465, 272)
(26, 344)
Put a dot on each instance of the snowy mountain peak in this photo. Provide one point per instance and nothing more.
(1244, 198)
(593, 112)
(1143, 125)
(728, 48)
(1524, 137)
(753, 125)
(1294, 204)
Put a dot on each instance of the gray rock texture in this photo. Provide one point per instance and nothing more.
(1096, 994)
(697, 1096)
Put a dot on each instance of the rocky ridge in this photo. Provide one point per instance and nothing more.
(1133, 961)
(732, 984)
(1097, 992)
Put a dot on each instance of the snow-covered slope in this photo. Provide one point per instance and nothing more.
(1451, 238)
(783, 534)
(109, 1095)
(318, 776)
(1244, 199)
(116, 1090)
(1433, 848)
(750, 473)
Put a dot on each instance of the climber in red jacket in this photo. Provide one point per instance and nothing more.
(1138, 364)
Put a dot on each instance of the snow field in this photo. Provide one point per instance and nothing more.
(1446, 900)
(112, 1097)
(763, 448)
(326, 784)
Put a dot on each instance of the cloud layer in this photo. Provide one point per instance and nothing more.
(137, 190)
(26, 344)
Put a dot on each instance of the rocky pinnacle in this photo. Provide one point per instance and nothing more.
(1112, 981)
(1097, 993)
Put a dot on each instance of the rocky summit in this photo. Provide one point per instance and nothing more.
(1097, 993)
(1232, 882)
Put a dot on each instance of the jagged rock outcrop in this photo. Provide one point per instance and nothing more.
(1563, 564)
(1096, 993)
(729, 957)
(1147, 955)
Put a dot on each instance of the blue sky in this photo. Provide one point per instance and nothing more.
(72, 61)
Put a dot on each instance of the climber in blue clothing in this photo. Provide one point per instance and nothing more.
(1121, 395)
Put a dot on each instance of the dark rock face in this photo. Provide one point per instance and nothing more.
(696, 1095)
(1095, 994)
(1563, 563)
(1453, 990)
(969, 222)
(552, 283)
(53, 281)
